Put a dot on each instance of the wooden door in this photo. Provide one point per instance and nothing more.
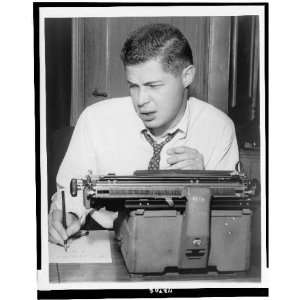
(99, 73)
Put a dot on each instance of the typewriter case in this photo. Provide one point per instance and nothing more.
(193, 239)
(150, 241)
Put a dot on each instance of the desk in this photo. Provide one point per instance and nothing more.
(116, 271)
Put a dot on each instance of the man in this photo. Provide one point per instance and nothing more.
(158, 126)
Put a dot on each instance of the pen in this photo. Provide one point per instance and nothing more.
(64, 221)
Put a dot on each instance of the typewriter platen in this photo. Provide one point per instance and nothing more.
(189, 220)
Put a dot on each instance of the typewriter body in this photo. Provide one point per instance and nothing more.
(188, 220)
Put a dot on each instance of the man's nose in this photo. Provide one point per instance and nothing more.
(143, 97)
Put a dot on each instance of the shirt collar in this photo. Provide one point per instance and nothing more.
(182, 126)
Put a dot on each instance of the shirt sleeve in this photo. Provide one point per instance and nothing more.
(226, 154)
(78, 161)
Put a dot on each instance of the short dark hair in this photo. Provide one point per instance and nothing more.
(162, 41)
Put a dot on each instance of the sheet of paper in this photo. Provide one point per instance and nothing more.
(93, 248)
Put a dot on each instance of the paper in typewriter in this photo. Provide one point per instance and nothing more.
(93, 248)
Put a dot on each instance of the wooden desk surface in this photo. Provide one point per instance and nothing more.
(116, 271)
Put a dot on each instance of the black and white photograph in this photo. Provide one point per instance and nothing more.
(150, 149)
(152, 123)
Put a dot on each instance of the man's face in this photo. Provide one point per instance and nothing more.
(158, 96)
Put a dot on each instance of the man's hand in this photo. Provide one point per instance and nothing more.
(57, 233)
(185, 158)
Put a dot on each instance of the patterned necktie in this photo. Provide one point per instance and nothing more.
(154, 161)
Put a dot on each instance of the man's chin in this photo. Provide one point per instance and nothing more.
(151, 124)
(155, 128)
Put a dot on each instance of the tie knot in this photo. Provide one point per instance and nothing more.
(153, 143)
(154, 162)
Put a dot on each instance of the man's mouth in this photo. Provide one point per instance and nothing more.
(147, 116)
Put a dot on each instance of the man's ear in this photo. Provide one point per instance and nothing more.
(188, 75)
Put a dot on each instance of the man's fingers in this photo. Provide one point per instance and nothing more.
(70, 218)
(60, 229)
(178, 150)
(185, 158)
(57, 233)
(73, 228)
(179, 157)
(183, 165)
(187, 165)
(54, 236)
(56, 222)
(182, 150)
(187, 155)
(73, 225)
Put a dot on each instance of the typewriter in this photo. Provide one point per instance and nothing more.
(187, 220)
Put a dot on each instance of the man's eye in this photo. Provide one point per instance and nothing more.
(154, 86)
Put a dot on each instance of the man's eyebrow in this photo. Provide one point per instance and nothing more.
(146, 83)
(152, 82)
(132, 83)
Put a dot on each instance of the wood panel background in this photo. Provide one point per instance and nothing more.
(102, 71)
